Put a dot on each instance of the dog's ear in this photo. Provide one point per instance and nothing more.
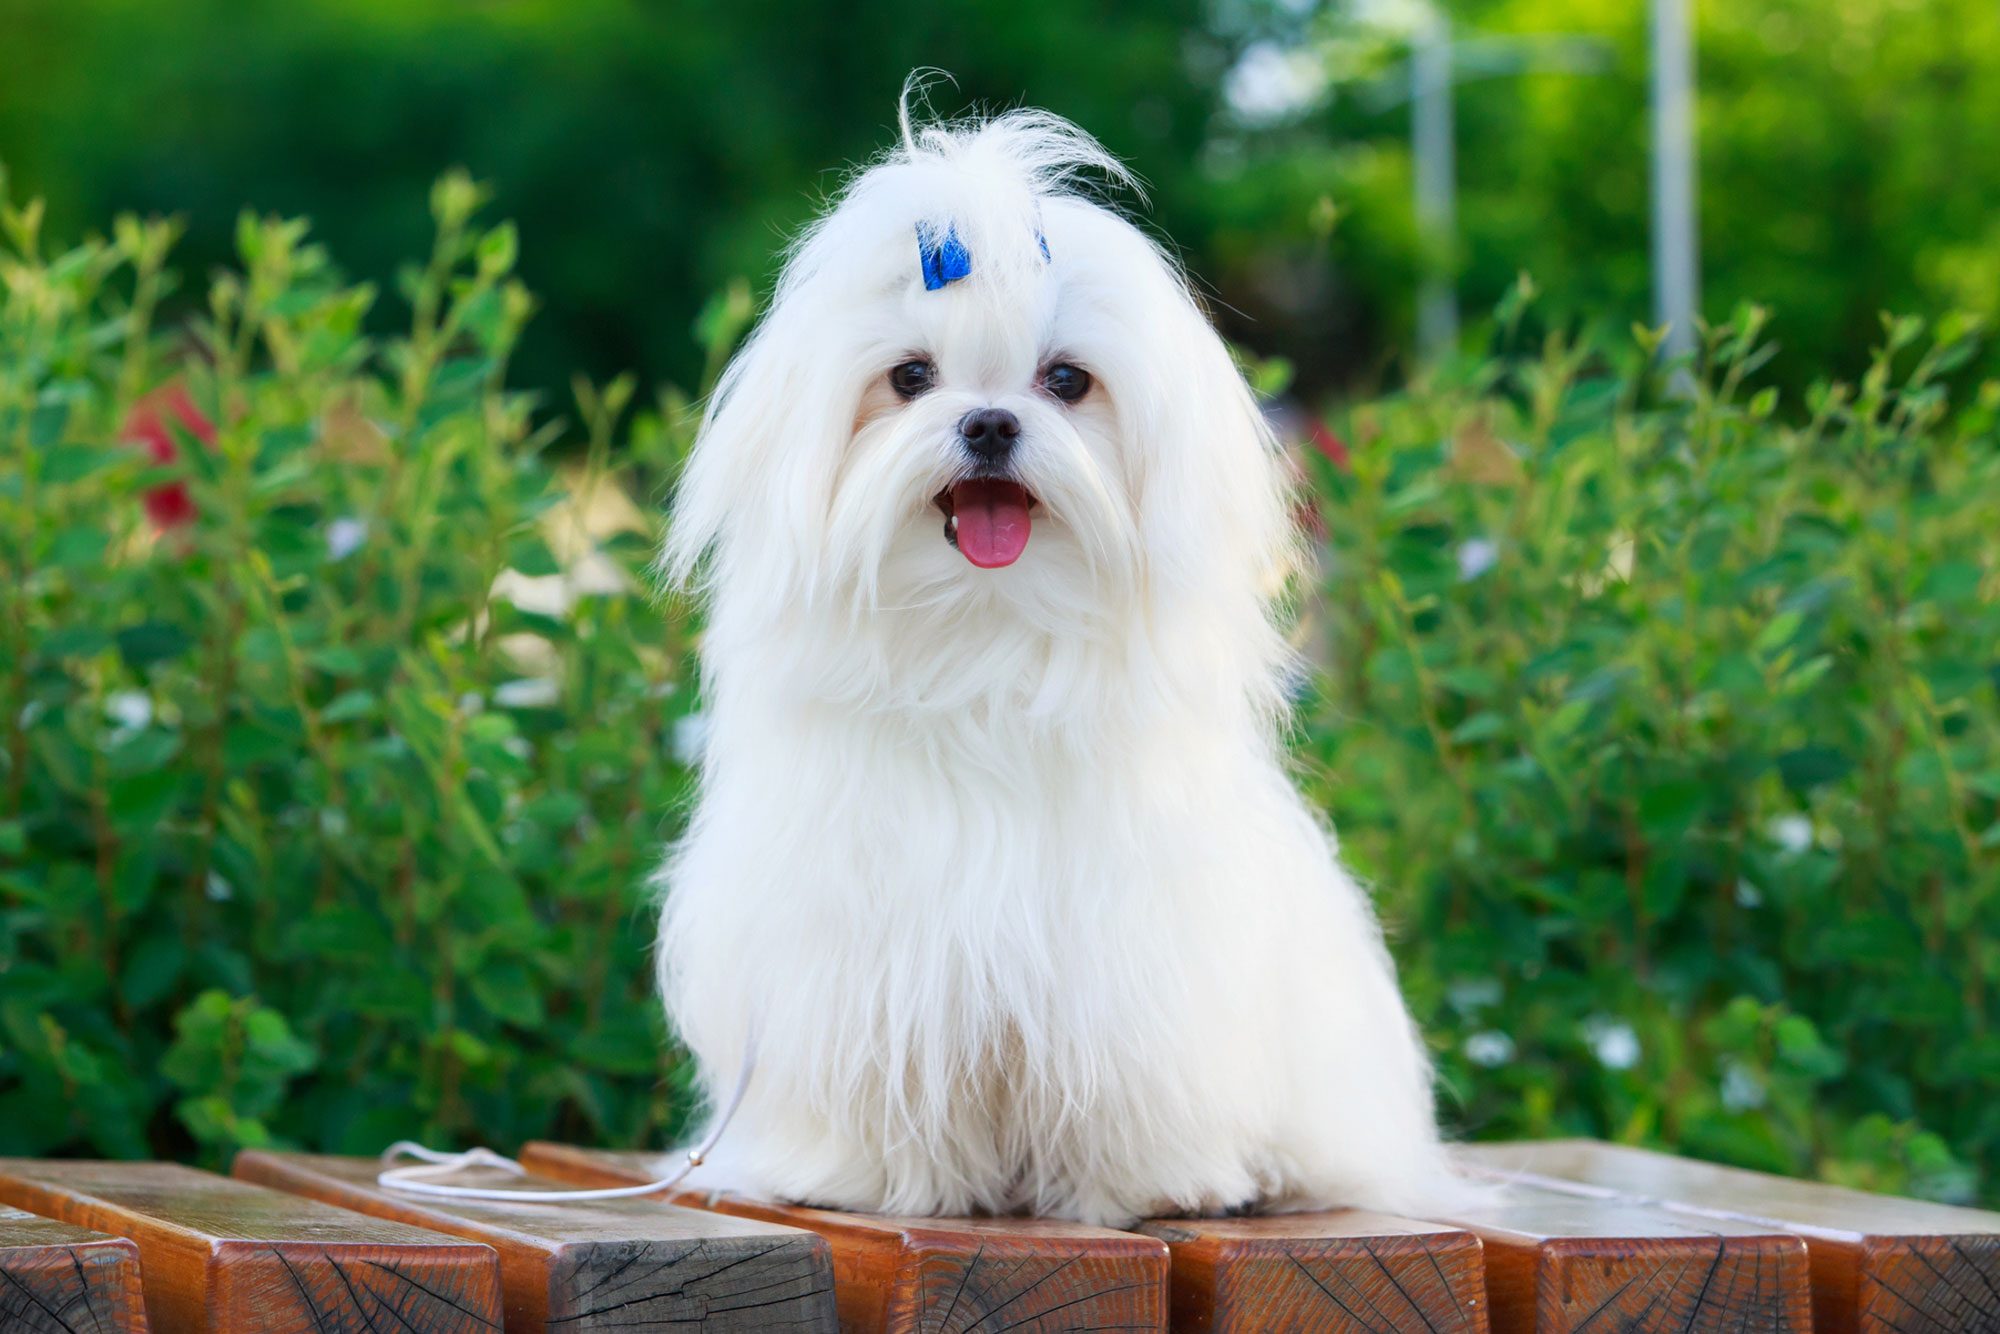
(705, 495)
(1217, 487)
(755, 486)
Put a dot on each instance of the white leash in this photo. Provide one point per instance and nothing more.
(417, 1179)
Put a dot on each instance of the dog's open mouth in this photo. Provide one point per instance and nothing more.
(987, 519)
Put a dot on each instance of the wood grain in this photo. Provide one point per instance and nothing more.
(1559, 1263)
(1880, 1265)
(640, 1266)
(235, 1258)
(939, 1275)
(55, 1277)
(1340, 1272)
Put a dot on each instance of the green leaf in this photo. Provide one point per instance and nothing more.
(508, 993)
(74, 641)
(1808, 767)
(337, 660)
(1778, 632)
(351, 705)
(151, 642)
(78, 548)
(75, 463)
(530, 555)
(152, 969)
(1667, 809)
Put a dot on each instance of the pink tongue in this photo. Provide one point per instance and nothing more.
(993, 521)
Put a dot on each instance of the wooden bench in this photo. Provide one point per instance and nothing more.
(939, 1275)
(630, 1265)
(56, 1278)
(1880, 1265)
(1574, 1238)
(233, 1258)
(1340, 1270)
(1557, 1264)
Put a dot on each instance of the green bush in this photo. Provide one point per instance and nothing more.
(1668, 729)
(309, 830)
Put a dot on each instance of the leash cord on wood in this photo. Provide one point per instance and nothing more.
(419, 1178)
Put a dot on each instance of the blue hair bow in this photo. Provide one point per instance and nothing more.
(945, 259)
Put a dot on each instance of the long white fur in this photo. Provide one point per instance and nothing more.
(1004, 866)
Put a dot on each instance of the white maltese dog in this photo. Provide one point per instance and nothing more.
(995, 852)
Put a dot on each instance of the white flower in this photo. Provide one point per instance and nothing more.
(1793, 833)
(1476, 555)
(130, 709)
(1489, 1048)
(593, 574)
(1748, 895)
(471, 702)
(219, 889)
(1613, 1042)
(541, 594)
(597, 575)
(690, 735)
(1741, 1090)
(344, 537)
(529, 692)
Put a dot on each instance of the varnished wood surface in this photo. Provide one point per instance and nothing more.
(1880, 1265)
(1558, 1263)
(56, 1278)
(234, 1258)
(1340, 1272)
(638, 1266)
(939, 1275)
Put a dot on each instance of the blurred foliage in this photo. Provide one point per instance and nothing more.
(653, 150)
(313, 825)
(650, 150)
(1665, 724)
(1849, 163)
(1669, 730)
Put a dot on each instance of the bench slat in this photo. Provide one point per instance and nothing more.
(1558, 1263)
(1880, 1265)
(235, 1258)
(937, 1275)
(56, 1277)
(632, 1265)
(1339, 1271)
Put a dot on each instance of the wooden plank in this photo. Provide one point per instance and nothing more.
(55, 1278)
(938, 1275)
(1340, 1272)
(640, 1266)
(1880, 1265)
(1560, 1263)
(235, 1258)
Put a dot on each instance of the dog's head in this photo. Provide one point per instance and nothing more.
(977, 386)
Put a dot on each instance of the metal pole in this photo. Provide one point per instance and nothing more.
(1436, 172)
(1676, 262)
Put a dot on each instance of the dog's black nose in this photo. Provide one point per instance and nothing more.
(989, 432)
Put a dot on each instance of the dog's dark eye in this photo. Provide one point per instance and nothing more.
(1067, 382)
(912, 378)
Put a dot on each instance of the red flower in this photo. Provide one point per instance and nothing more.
(168, 505)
